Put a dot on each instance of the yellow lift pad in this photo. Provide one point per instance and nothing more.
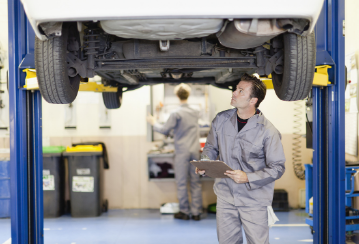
(32, 84)
(31, 79)
(268, 82)
(93, 86)
(84, 148)
(321, 77)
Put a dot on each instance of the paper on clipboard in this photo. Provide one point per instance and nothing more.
(213, 168)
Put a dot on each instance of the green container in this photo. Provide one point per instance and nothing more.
(53, 149)
(212, 208)
(53, 181)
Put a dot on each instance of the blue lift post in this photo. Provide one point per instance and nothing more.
(25, 134)
(328, 129)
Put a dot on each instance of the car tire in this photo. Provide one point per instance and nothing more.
(299, 65)
(56, 86)
(112, 100)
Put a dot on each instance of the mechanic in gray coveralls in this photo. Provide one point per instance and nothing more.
(184, 122)
(248, 143)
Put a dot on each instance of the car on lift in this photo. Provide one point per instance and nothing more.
(134, 43)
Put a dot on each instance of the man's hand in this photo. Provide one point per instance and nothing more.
(201, 172)
(150, 119)
(237, 175)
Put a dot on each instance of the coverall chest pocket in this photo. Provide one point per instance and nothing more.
(251, 152)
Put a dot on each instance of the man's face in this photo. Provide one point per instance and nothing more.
(241, 96)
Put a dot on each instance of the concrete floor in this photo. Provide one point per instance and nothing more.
(150, 227)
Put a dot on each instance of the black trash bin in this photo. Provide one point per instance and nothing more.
(85, 170)
(53, 181)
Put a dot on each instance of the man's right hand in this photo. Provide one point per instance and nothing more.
(201, 172)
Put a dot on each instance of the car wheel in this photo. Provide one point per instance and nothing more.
(56, 82)
(112, 100)
(298, 70)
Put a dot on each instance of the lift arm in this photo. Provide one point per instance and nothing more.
(32, 84)
(321, 78)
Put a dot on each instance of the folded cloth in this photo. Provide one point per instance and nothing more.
(204, 157)
(272, 218)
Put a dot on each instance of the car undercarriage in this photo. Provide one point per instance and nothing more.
(107, 49)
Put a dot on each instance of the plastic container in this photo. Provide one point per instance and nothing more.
(202, 142)
(311, 205)
(212, 208)
(85, 170)
(4, 189)
(53, 180)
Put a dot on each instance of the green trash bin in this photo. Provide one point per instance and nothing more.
(53, 180)
(212, 208)
(85, 171)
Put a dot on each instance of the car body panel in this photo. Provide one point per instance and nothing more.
(39, 11)
(163, 29)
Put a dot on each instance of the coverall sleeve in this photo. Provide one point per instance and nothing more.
(210, 150)
(275, 160)
(168, 126)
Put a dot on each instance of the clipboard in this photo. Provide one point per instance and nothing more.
(213, 168)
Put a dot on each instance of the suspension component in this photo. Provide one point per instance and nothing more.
(91, 41)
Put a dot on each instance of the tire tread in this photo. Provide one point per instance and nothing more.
(51, 70)
(112, 100)
(299, 60)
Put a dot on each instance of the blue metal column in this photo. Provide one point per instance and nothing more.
(336, 115)
(319, 167)
(328, 129)
(25, 134)
(34, 140)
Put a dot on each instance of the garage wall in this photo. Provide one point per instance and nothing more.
(3, 36)
(4, 113)
(130, 120)
(352, 43)
(351, 27)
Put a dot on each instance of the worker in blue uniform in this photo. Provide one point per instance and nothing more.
(184, 123)
(247, 142)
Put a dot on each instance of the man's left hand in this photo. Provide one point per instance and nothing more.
(150, 119)
(237, 175)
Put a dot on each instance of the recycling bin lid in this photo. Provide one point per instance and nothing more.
(50, 151)
(84, 150)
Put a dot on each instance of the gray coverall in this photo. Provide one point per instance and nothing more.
(184, 122)
(257, 150)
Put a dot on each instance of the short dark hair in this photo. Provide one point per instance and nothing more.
(259, 89)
